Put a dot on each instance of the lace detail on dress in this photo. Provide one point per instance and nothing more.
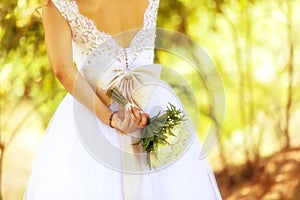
(89, 39)
(84, 32)
(151, 14)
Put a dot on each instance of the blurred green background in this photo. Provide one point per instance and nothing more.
(255, 46)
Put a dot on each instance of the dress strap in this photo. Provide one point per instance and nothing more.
(67, 8)
(151, 15)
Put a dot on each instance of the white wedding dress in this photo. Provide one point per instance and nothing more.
(81, 158)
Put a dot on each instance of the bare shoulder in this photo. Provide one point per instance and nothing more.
(52, 15)
(48, 8)
(56, 27)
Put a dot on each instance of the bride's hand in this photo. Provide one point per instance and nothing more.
(129, 120)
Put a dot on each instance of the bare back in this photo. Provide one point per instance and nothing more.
(115, 16)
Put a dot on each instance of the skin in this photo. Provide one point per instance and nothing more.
(115, 16)
(58, 40)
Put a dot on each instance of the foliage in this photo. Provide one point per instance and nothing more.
(159, 128)
(253, 44)
(25, 71)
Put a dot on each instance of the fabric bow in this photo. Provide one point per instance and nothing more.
(136, 84)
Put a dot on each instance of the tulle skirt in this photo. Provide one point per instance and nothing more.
(66, 168)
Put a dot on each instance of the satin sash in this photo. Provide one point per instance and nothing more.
(137, 85)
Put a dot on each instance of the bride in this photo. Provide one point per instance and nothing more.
(87, 151)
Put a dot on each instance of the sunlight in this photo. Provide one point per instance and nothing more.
(265, 72)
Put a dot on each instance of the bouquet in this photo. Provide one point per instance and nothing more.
(158, 128)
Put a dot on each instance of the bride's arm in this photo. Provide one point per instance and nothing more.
(58, 39)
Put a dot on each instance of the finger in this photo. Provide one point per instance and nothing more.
(127, 118)
(143, 121)
(135, 111)
(129, 121)
(137, 115)
(134, 121)
(131, 127)
(143, 113)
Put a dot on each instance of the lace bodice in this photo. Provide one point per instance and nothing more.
(91, 45)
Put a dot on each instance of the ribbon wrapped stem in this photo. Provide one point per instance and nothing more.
(116, 95)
